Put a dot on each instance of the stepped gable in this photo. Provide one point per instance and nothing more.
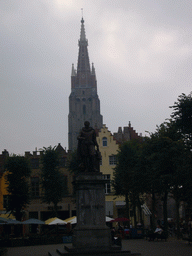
(127, 134)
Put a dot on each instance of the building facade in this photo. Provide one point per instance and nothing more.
(43, 211)
(108, 147)
(126, 134)
(84, 103)
(3, 185)
(36, 208)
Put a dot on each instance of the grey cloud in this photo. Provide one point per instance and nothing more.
(141, 51)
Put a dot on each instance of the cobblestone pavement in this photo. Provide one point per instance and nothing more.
(172, 247)
(157, 248)
(39, 250)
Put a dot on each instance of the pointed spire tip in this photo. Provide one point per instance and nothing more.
(82, 20)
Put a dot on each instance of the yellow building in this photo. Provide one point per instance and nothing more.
(3, 193)
(43, 211)
(3, 185)
(108, 147)
(37, 209)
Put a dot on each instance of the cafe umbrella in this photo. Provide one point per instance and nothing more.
(33, 221)
(55, 221)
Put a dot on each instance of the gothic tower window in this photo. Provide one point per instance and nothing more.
(35, 187)
(84, 109)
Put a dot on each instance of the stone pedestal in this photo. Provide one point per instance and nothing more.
(91, 232)
(91, 236)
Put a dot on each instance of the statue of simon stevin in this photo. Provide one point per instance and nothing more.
(86, 151)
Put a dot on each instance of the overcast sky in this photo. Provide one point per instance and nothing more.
(141, 50)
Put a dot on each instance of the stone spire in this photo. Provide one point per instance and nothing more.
(82, 35)
(93, 69)
(73, 72)
(84, 103)
(83, 66)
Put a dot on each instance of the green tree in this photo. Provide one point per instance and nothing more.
(186, 188)
(125, 181)
(151, 176)
(54, 183)
(166, 161)
(165, 155)
(182, 115)
(181, 158)
(18, 171)
(73, 166)
(73, 162)
(181, 165)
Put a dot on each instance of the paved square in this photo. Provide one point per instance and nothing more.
(172, 247)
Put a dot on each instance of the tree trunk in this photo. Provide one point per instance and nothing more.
(134, 214)
(127, 205)
(18, 214)
(153, 211)
(165, 211)
(55, 209)
(140, 211)
(177, 203)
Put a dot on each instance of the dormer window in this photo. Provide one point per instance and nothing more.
(104, 141)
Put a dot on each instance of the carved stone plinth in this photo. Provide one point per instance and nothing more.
(91, 236)
(91, 232)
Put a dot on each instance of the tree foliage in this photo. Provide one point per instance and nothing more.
(126, 179)
(182, 115)
(18, 171)
(167, 155)
(158, 166)
(73, 162)
(54, 183)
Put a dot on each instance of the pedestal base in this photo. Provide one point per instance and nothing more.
(91, 232)
(91, 236)
(113, 252)
(92, 239)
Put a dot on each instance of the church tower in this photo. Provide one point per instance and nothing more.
(84, 103)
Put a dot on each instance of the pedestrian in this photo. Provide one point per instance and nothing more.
(113, 235)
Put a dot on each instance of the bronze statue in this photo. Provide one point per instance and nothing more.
(86, 149)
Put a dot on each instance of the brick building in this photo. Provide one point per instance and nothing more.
(37, 209)
(128, 133)
(43, 211)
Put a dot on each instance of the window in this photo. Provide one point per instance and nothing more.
(62, 162)
(100, 161)
(107, 184)
(5, 201)
(104, 140)
(66, 185)
(33, 215)
(112, 160)
(34, 187)
(84, 109)
(35, 163)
